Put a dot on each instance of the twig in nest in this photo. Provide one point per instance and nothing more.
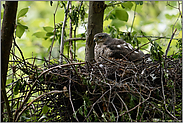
(51, 92)
(33, 85)
(115, 110)
(136, 105)
(163, 92)
(96, 102)
(74, 112)
(125, 107)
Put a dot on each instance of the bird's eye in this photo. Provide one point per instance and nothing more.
(100, 37)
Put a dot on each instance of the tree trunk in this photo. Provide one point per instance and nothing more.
(8, 26)
(95, 25)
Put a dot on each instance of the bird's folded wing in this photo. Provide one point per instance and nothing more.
(122, 50)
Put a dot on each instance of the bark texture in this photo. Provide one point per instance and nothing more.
(95, 25)
(8, 26)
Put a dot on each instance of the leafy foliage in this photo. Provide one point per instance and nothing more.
(121, 14)
(145, 15)
(20, 29)
(145, 25)
(22, 12)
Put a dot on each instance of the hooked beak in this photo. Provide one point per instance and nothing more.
(95, 39)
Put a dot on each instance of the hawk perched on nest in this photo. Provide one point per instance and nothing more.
(115, 48)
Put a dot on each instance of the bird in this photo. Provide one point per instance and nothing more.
(108, 47)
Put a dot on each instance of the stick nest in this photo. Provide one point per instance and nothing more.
(113, 90)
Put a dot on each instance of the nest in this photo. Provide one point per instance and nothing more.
(112, 90)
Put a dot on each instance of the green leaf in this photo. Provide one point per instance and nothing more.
(8, 81)
(170, 16)
(22, 87)
(80, 110)
(144, 41)
(117, 23)
(23, 26)
(48, 28)
(39, 34)
(17, 86)
(121, 14)
(49, 34)
(134, 33)
(22, 12)
(128, 5)
(45, 109)
(20, 29)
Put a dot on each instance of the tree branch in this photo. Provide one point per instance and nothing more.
(75, 39)
(8, 26)
(95, 25)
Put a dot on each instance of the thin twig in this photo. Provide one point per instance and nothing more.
(157, 37)
(20, 53)
(51, 92)
(3, 93)
(170, 43)
(164, 99)
(74, 112)
(115, 110)
(70, 36)
(62, 34)
(54, 31)
(33, 85)
(113, 4)
(95, 103)
(60, 66)
(75, 39)
(127, 111)
(143, 112)
(136, 105)
(108, 14)
(138, 110)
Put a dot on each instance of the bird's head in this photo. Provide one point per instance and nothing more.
(101, 37)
